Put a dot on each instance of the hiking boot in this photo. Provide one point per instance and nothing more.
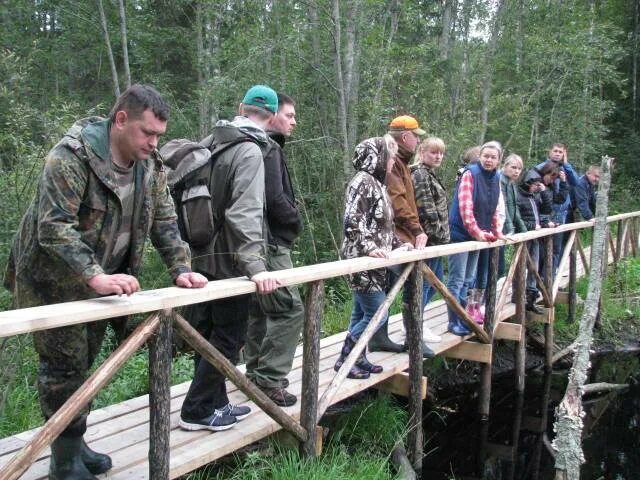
(66, 460)
(95, 462)
(216, 422)
(356, 372)
(531, 305)
(238, 411)
(284, 382)
(279, 395)
(380, 341)
(363, 363)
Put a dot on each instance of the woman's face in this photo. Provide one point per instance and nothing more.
(489, 158)
(548, 178)
(512, 171)
(432, 157)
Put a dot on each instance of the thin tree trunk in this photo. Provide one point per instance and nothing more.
(107, 41)
(352, 76)
(568, 443)
(448, 17)
(520, 37)
(125, 48)
(342, 94)
(636, 36)
(488, 77)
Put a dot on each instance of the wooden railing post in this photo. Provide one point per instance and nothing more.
(619, 245)
(311, 366)
(519, 290)
(573, 273)
(160, 353)
(489, 321)
(413, 313)
(548, 279)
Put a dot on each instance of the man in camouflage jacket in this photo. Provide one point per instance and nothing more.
(101, 194)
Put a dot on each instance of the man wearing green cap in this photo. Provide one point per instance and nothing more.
(237, 248)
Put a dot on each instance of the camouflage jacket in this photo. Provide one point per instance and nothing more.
(368, 215)
(431, 200)
(67, 234)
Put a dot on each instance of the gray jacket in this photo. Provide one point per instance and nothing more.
(237, 198)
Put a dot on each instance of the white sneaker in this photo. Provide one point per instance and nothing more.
(429, 336)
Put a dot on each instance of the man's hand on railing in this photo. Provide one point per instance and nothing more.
(118, 284)
(421, 240)
(191, 280)
(265, 282)
(378, 253)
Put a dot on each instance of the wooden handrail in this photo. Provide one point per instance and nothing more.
(14, 322)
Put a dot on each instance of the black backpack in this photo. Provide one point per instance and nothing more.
(190, 166)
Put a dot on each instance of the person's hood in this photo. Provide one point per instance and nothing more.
(94, 132)
(532, 176)
(370, 156)
(226, 131)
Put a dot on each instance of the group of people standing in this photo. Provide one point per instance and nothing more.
(396, 200)
(104, 192)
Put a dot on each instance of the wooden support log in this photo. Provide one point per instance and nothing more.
(533, 269)
(454, 305)
(548, 276)
(160, 348)
(623, 244)
(519, 289)
(614, 247)
(87, 392)
(361, 344)
(600, 387)
(484, 400)
(583, 257)
(285, 440)
(634, 237)
(473, 351)
(399, 385)
(219, 361)
(413, 315)
(508, 331)
(311, 366)
(509, 279)
(566, 255)
(573, 273)
(562, 298)
(403, 466)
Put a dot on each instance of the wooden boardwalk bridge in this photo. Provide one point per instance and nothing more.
(142, 435)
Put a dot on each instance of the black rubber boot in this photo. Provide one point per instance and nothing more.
(380, 342)
(355, 372)
(531, 303)
(95, 462)
(66, 460)
(426, 351)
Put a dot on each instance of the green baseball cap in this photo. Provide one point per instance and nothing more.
(262, 96)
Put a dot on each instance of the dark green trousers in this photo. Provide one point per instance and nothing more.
(275, 322)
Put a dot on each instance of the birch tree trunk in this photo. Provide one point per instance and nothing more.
(107, 41)
(488, 71)
(342, 94)
(352, 77)
(208, 24)
(125, 48)
(448, 18)
(568, 425)
(519, 36)
(636, 45)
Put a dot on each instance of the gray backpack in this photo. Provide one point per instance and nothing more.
(190, 166)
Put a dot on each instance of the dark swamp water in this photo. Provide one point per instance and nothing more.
(514, 443)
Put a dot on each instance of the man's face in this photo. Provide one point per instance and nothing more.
(593, 177)
(432, 157)
(285, 120)
(489, 158)
(139, 136)
(410, 140)
(556, 154)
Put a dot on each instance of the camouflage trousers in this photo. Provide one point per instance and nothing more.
(66, 355)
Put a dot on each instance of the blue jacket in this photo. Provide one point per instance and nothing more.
(583, 198)
(562, 206)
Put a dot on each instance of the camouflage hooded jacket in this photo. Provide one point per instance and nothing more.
(68, 233)
(431, 200)
(368, 215)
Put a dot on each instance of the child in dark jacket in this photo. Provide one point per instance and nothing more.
(535, 204)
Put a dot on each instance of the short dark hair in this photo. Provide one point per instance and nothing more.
(138, 98)
(549, 168)
(284, 99)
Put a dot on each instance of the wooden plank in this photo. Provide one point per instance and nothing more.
(474, 351)
(542, 318)
(562, 298)
(399, 385)
(508, 331)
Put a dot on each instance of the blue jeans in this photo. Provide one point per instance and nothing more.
(365, 306)
(428, 291)
(462, 272)
(482, 271)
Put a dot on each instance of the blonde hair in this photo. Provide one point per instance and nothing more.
(492, 144)
(513, 158)
(432, 142)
